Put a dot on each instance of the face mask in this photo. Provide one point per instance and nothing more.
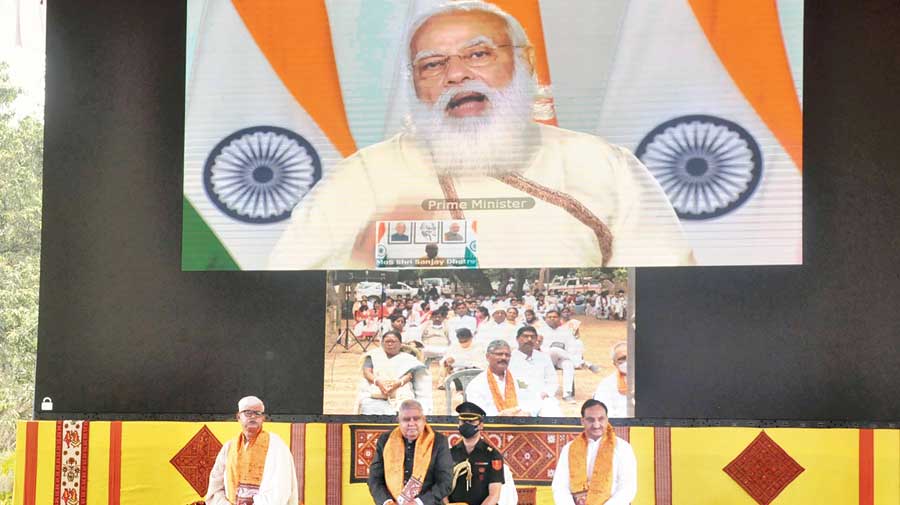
(623, 367)
(468, 430)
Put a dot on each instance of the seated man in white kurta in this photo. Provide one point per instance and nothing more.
(256, 467)
(473, 139)
(463, 354)
(535, 369)
(460, 319)
(564, 349)
(435, 335)
(496, 329)
(597, 468)
(613, 390)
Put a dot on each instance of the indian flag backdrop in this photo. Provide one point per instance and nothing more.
(264, 121)
(703, 92)
(706, 92)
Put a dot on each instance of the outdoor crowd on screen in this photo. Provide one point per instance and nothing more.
(527, 337)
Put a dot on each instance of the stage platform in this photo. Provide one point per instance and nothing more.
(148, 462)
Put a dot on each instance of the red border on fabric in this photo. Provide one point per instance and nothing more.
(57, 464)
(662, 463)
(298, 451)
(866, 467)
(31, 453)
(85, 443)
(333, 450)
(623, 432)
(115, 462)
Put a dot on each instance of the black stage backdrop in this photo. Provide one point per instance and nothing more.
(125, 334)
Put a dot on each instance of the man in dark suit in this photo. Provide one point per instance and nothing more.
(412, 464)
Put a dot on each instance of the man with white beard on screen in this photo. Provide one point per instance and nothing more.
(472, 144)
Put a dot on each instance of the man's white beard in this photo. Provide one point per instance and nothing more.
(502, 140)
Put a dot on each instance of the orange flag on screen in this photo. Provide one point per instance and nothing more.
(528, 12)
(757, 62)
(702, 92)
(295, 37)
(264, 121)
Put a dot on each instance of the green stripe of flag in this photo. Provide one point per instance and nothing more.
(200, 247)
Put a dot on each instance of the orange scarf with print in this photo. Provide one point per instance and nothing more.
(622, 383)
(394, 451)
(509, 398)
(599, 488)
(245, 464)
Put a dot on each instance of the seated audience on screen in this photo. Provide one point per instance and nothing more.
(535, 371)
(388, 376)
(572, 324)
(496, 390)
(619, 306)
(613, 389)
(497, 328)
(463, 354)
(435, 336)
(513, 317)
(565, 351)
(482, 315)
(460, 318)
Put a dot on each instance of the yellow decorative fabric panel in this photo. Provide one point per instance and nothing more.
(134, 463)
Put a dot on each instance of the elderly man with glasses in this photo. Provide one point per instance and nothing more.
(254, 468)
(412, 463)
(473, 146)
(613, 390)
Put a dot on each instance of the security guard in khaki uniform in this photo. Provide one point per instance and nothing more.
(478, 466)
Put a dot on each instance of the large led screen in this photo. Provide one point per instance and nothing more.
(516, 342)
(583, 133)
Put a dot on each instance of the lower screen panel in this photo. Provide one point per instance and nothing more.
(430, 335)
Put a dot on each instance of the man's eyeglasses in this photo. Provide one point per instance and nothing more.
(482, 55)
(253, 413)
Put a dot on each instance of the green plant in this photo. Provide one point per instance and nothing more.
(21, 164)
(7, 477)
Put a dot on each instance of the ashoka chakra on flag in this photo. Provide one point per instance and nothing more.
(258, 174)
(708, 166)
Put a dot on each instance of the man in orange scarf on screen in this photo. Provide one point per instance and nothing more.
(255, 468)
(613, 390)
(496, 390)
(597, 468)
(412, 464)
